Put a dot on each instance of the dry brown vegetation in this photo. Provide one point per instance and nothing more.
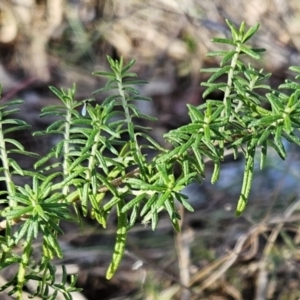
(215, 256)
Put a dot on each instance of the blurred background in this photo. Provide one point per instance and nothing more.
(216, 255)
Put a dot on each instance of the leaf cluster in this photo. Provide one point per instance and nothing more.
(251, 118)
(100, 164)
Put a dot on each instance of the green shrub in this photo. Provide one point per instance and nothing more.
(94, 170)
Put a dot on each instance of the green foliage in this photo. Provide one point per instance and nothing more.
(94, 169)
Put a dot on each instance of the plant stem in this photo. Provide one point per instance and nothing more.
(66, 148)
(5, 162)
(226, 100)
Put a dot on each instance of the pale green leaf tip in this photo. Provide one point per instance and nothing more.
(109, 274)
(238, 212)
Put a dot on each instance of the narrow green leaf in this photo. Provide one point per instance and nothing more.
(11, 103)
(195, 113)
(278, 142)
(212, 87)
(77, 162)
(174, 216)
(276, 103)
(207, 135)
(251, 31)
(68, 179)
(149, 204)
(133, 217)
(120, 241)
(287, 124)
(53, 108)
(17, 212)
(8, 112)
(22, 231)
(219, 73)
(128, 66)
(131, 90)
(33, 230)
(216, 53)
(105, 74)
(141, 185)
(128, 74)
(154, 218)
(264, 135)
(134, 82)
(184, 148)
(263, 155)
(265, 121)
(227, 57)
(16, 128)
(234, 32)
(133, 202)
(185, 204)
(242, 29)
(57, 93)
(210, 70)
(216, 173)
(44, 159)
(199, 158)
(223, 41)
(295, 69)
(168, 156)
(291, 138)
(153, 142)
(57, 125)
(23, 152)
(161, 200)
(111, 203)
(139, 98)
(247, 183)
(250, 52)
(16, 166)
(15, 143)
(52, 245)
